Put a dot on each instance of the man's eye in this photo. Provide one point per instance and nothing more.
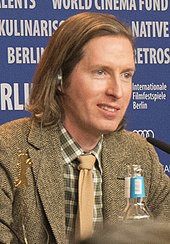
(127, 75)
(100, 72)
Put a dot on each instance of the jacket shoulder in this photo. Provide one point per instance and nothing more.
(15, 128)
(130, 143)
(125, 137)
(133, 138)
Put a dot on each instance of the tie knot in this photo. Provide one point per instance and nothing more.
(86, 161)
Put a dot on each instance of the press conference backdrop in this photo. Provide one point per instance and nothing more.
(27, 25)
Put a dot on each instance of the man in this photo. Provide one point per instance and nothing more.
(79, 97)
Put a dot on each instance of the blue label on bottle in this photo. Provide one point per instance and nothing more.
(137, 187)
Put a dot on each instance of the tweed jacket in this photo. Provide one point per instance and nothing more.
(38, 209)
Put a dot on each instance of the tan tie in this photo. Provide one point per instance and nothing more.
(84, 224)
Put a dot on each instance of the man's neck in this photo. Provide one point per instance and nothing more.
(87, 141)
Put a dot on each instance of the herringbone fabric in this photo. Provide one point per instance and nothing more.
(119, 149)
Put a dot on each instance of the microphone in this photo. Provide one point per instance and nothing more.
(159, 144)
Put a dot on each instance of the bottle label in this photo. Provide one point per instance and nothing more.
(137, 187)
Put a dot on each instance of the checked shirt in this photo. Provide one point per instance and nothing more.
(70, 152)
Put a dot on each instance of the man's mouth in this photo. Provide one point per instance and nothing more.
(107, 108)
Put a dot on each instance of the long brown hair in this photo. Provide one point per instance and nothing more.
(63, 52)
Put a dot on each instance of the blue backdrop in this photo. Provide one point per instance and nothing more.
(26, 26)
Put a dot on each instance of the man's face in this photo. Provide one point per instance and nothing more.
(100, 86)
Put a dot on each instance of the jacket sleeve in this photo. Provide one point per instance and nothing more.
(10, 142)
(6, 201)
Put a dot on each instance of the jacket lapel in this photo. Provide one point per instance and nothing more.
(48, 172)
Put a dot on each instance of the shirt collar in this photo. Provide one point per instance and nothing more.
(70, 149)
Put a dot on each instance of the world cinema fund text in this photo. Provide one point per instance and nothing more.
(148, 5)
(144, 93)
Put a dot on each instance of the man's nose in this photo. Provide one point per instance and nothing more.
(114, 87)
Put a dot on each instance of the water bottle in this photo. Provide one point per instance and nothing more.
(135, 209)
